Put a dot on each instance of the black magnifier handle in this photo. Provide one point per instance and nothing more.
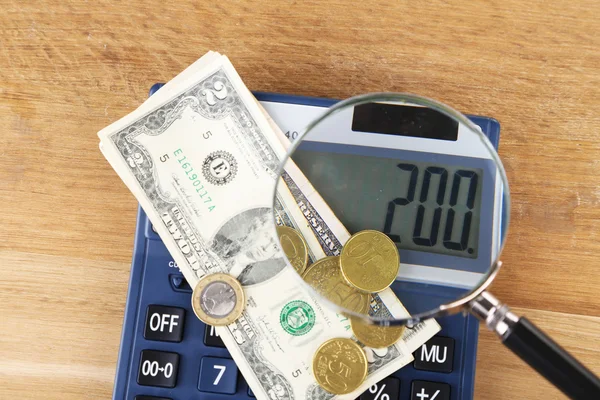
(535, 348)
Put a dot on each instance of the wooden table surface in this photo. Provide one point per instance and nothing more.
(69, 68)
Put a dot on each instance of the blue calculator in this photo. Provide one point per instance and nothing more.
(166, 353)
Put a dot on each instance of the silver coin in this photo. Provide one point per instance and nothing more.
(218, 299)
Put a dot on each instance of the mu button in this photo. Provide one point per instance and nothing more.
(435, 355)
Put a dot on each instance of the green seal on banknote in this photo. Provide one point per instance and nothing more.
(297, 318)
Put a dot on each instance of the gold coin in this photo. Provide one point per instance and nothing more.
(326, 278)
(376, 336)
(218, 299)
(294, 246)
(340, 365)
(370, 261)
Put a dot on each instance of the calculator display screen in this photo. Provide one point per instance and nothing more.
(422, 206)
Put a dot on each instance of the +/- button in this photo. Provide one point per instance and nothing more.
(423, 390)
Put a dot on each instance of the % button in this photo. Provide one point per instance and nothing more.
(386, 389)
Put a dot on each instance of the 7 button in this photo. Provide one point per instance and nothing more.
(218, 375)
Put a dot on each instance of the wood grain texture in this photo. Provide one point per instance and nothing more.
(69, 68)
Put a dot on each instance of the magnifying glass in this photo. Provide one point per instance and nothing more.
(385, 196)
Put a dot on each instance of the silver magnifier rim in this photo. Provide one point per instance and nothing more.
(408, 98)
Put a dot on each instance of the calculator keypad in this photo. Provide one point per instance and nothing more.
(436, 355)
(164, 323)
(218, 375)
(158, 368)
(214, 373)
(424, 390)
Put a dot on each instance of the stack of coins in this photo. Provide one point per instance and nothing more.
(368, 264)
(325, 276)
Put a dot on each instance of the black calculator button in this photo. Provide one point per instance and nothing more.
(218, 375)
(211, 338)
(158, 368)
(142, 397)
(388, 388)
(423, 390)
(435, 355)
(164, 323)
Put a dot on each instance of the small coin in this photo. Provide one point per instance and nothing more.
(218, 299)
(294, 246)
(340, 365)
(370, 261)
(326, 278)
(376, 336)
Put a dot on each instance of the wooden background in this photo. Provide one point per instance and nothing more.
(69, 68)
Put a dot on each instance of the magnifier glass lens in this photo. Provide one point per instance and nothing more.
(392, 204)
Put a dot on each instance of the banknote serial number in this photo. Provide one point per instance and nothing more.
(191, 175)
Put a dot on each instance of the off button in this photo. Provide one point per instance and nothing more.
(164, 323)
